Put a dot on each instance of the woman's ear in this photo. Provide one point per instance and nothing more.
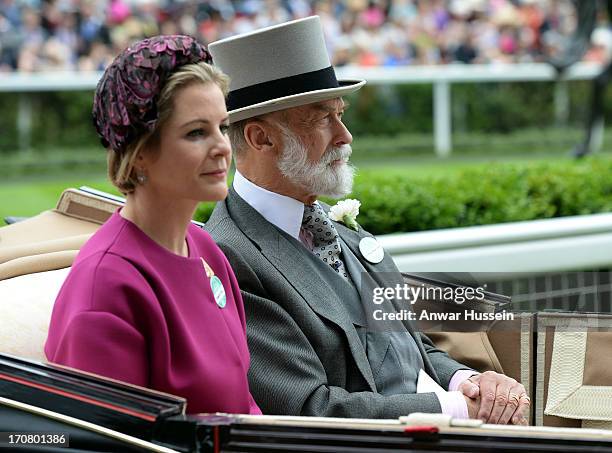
(139, 168)
(149, 151)
(260, 136)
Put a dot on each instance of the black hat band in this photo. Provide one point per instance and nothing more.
(287, 86)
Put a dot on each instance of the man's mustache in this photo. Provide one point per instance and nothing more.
(339, 153)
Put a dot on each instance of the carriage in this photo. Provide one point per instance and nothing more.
(559, 357)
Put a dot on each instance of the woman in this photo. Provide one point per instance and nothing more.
(151, 299)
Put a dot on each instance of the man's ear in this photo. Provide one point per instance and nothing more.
(260, 136)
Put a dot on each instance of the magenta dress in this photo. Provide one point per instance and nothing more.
(132, 310)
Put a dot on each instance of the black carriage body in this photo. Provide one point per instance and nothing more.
(29, 389)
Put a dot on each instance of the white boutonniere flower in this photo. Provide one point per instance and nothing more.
(346, 211)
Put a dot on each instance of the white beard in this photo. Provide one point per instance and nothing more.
(320, 178)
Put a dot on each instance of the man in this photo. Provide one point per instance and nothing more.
(589, 32)
(301, 273)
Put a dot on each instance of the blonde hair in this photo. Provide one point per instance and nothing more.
(121, 165)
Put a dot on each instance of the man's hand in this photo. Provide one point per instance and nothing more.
(473, 404)
(502, 399)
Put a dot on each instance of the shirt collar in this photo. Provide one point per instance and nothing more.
(284, 212)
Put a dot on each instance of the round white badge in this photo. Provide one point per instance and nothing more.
(218, 291)
(371, 250)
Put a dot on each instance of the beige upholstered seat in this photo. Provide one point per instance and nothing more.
(25, 310)
(35, 258)
(574, 370)
(28, 264)
(67, 227)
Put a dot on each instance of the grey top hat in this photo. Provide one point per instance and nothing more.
(278, 67)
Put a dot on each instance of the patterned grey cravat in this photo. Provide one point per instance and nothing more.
(324, 236)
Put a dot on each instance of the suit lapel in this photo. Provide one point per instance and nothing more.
(286, 255)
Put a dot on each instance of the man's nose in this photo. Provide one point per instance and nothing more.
(343, 136)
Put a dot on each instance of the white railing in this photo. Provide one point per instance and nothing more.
(48, 81)
(551, 245)
(442, 77)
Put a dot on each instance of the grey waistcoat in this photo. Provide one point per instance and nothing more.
(402, 361)
(395, 364)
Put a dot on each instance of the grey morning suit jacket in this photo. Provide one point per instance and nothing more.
(306, 354)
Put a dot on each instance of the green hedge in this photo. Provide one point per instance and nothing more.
(496, 194)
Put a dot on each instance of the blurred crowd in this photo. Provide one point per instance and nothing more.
(52, 35)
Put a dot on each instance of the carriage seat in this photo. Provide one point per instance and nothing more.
(35, 258)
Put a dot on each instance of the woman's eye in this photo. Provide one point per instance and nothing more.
(196, 133)
(224, 128)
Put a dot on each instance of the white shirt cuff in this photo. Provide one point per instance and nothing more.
(458, 378)
(453, 404)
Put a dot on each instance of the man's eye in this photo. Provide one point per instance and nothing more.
(224, 128)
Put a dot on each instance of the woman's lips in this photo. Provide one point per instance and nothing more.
(216, 173)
